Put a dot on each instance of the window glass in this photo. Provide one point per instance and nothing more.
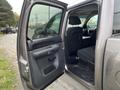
(55, 24)
(92, 23)
(117, 6)
(82, 21)
(44, 21)
(116, 18)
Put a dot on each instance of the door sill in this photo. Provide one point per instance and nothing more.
(81, 81)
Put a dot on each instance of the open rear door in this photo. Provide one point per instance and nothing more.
(39, 46)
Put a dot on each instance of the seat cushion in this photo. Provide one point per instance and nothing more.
(87, 54)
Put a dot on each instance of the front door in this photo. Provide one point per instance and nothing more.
(39, 47)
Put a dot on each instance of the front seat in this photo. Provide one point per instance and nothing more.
(73, 40)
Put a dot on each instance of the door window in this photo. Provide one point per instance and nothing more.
(44, 21)
(92, 23)
(116, 18)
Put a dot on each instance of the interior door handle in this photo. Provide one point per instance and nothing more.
(52, 59)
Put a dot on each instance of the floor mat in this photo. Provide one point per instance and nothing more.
(83, 71)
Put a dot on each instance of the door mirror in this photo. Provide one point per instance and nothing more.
(44, 21)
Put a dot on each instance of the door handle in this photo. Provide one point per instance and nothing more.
(51, 59)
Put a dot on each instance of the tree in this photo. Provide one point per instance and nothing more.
(16, 17)
(6, 14)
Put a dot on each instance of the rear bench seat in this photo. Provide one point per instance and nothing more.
(87, 54)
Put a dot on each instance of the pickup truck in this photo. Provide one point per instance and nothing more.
(82, 41)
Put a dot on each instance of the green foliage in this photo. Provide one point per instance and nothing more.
(7, 16)
(1, 34)
(7, 74)
(5, 5)
(16, 17)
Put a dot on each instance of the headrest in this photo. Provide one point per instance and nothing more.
(74, 20)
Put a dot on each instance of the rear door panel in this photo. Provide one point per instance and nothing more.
(41, 60)
(111, 76)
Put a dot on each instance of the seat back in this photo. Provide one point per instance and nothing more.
(74, 36)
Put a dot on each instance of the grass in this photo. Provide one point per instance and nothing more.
(1, 34)
(7, 74)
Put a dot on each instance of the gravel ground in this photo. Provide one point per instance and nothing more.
(65, 82)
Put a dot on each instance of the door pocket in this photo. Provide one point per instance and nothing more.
(49, 69)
